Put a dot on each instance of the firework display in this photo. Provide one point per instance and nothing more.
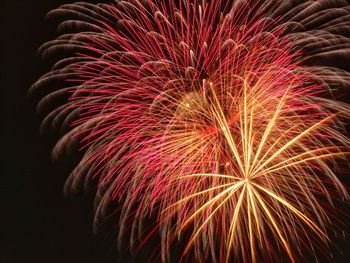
(222, 119)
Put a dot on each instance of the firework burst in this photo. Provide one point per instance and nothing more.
(218, 117)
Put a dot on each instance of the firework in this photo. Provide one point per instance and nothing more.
(218, 117)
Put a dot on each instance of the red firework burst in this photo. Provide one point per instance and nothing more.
(218, 117)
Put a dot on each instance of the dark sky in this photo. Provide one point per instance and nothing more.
(39, 225)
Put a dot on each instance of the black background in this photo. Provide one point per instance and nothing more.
(38, 224)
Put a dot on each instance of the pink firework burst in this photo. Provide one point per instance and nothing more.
(219, 118)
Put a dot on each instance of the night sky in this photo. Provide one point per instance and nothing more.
(37, 223)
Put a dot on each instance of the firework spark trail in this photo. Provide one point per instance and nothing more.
(217, 116)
